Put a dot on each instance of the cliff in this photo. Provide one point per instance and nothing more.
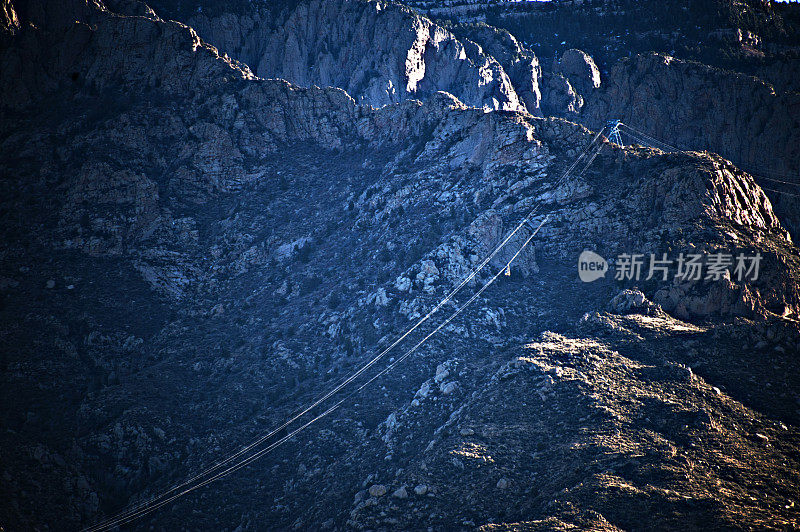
(378, 52)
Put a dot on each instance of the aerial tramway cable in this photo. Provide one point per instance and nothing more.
(647, 140)
(224, 467)
(252, 458)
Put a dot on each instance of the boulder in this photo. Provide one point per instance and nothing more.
(632, 301)
(377, 490)
(400, 493)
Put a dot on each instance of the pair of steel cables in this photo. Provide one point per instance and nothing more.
(260, 447)
(772, 176)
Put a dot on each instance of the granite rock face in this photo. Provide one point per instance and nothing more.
(519, 62)
(559, 97)
(580, 69)
(378, 52)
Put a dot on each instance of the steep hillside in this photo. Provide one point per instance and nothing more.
(718, 105)
(192, 253)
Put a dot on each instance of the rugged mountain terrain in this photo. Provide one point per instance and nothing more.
(381, 53)
(733, 64)
(378, 52)
(694, 106)
(750, 36)
(192, 252)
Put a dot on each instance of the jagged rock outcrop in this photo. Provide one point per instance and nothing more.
(559, 97)
(632, 301)
(569, 81)
(520, 63)
(692, 106)
(378, 52)
(578, 67)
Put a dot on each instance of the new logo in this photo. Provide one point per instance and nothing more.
(591, 266)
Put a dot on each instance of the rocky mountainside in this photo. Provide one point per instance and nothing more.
(378, 52)
(192, 252)
(694, 106)
(719, 105)
(724, 77)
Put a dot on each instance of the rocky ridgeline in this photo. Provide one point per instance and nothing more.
(75, 47)
(385, 53)
(686, 104)
(693, 106)
(193, 252)
(379, 52)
